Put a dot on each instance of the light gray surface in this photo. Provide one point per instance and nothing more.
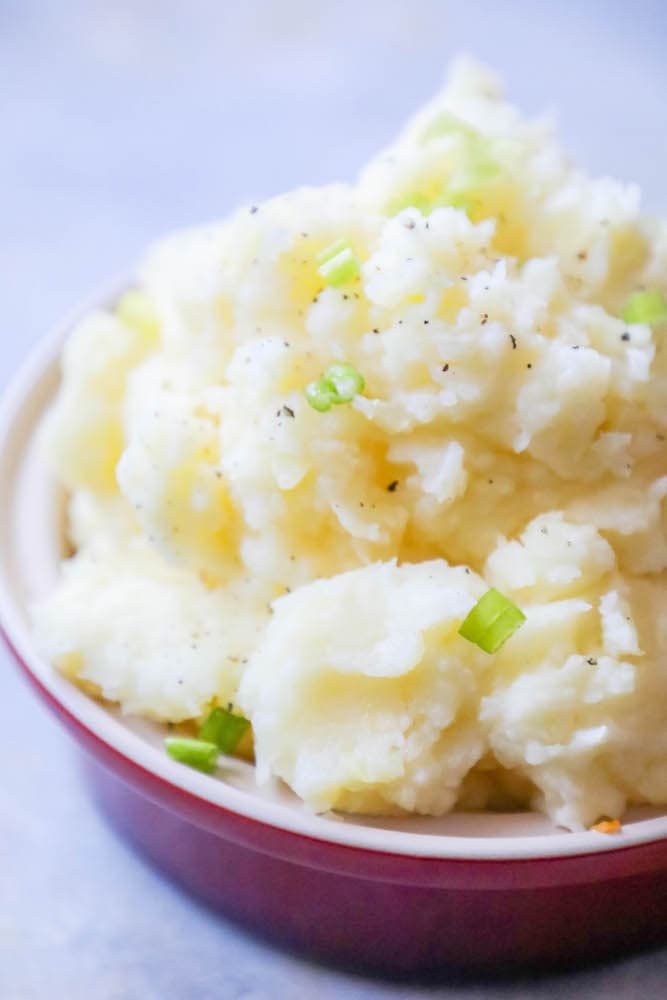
(120, 120)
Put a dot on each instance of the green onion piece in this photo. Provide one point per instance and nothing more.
(492, 621)
(338, 265)
(340, 383)
(479, 171)
(224, 729)
(648, 307)
(135, 309)
(412, 199)
(199, 754)
(447, 124)
(332, 251)
(321, 395)
(346, 380)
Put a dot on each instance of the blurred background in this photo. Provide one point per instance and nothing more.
(122, 119)
(125, 118)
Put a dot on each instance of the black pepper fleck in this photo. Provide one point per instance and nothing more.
(625, 336)
(393, 485)
(513, 339)
(445, 368)
(591, 659)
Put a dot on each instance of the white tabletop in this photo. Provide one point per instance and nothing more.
(120, 121)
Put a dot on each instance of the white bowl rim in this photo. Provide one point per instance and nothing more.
(296, 819)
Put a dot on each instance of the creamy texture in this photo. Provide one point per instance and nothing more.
(233, 544)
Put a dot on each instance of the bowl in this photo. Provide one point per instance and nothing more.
(398, 895)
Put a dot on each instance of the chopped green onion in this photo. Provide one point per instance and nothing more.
(447, 124)
(648, 307)
(338, 264)
(340, 384)
(136, 310)
(412, 199)
(195, 753)
(321, 395)
(224, 729)
(346, 380)
(492, 621)
(332, 251)
(479, 170)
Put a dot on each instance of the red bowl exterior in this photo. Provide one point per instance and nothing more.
(392, 913)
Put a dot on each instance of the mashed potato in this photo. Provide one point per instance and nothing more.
(313, 566)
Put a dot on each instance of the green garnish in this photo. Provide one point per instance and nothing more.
(346, 380)
(199, 754)
(321, 395)
(338, 264)
(414, 199)
(332, 251)
(224, 729)
(340, 383)
(476, 169)
(492, 621)
(136, 310)
(479, 171)
(446, 123)
(648, 307)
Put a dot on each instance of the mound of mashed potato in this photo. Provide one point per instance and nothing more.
(233, 543)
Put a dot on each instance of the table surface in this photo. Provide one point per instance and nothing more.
(119, 122)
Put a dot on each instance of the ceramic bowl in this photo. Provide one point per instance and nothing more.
(398, 895)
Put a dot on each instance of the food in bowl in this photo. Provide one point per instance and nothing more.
(371, 479)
